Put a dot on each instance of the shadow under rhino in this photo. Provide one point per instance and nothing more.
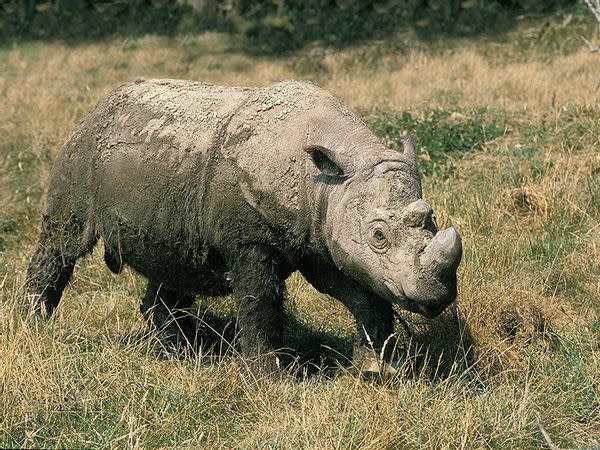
(430, 349)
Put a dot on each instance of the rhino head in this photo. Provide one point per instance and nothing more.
(377, 227)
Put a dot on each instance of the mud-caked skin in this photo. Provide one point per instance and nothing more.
(210, 190)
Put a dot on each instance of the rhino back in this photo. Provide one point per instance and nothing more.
(155, 148)
(137, 167)
(165, 169)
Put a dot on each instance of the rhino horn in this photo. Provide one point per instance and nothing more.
(442, 255)
(409, 149)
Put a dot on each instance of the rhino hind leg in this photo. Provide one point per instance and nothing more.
(165, 309)
(60, 244)
(259, 291)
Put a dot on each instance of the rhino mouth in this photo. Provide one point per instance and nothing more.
(429, 313)
(432, 309)
(429, 308)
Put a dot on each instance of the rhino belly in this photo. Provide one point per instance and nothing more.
(179, 267)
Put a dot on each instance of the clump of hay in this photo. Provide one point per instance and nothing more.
(528, 200)
(528, 321)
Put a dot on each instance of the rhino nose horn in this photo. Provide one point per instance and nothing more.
(418, 214)
(442, 256)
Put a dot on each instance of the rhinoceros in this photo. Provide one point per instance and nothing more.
(206, 189)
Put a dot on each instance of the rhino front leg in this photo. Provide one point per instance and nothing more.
(259, 291)
(374, 316)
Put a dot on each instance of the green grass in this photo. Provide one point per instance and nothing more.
(441, 133)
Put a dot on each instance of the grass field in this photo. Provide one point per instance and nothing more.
(509, 136)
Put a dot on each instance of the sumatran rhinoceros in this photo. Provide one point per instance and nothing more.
(206, 189)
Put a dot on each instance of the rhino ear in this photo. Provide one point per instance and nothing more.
(325, 161)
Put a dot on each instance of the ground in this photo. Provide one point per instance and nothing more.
(508, 131)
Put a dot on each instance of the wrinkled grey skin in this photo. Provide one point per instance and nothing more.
(206, 189)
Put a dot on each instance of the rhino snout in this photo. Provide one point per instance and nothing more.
(431, 285)
(442, 255)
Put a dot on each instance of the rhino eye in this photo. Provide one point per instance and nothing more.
(378, 237)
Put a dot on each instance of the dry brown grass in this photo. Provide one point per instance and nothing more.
(527, 205)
